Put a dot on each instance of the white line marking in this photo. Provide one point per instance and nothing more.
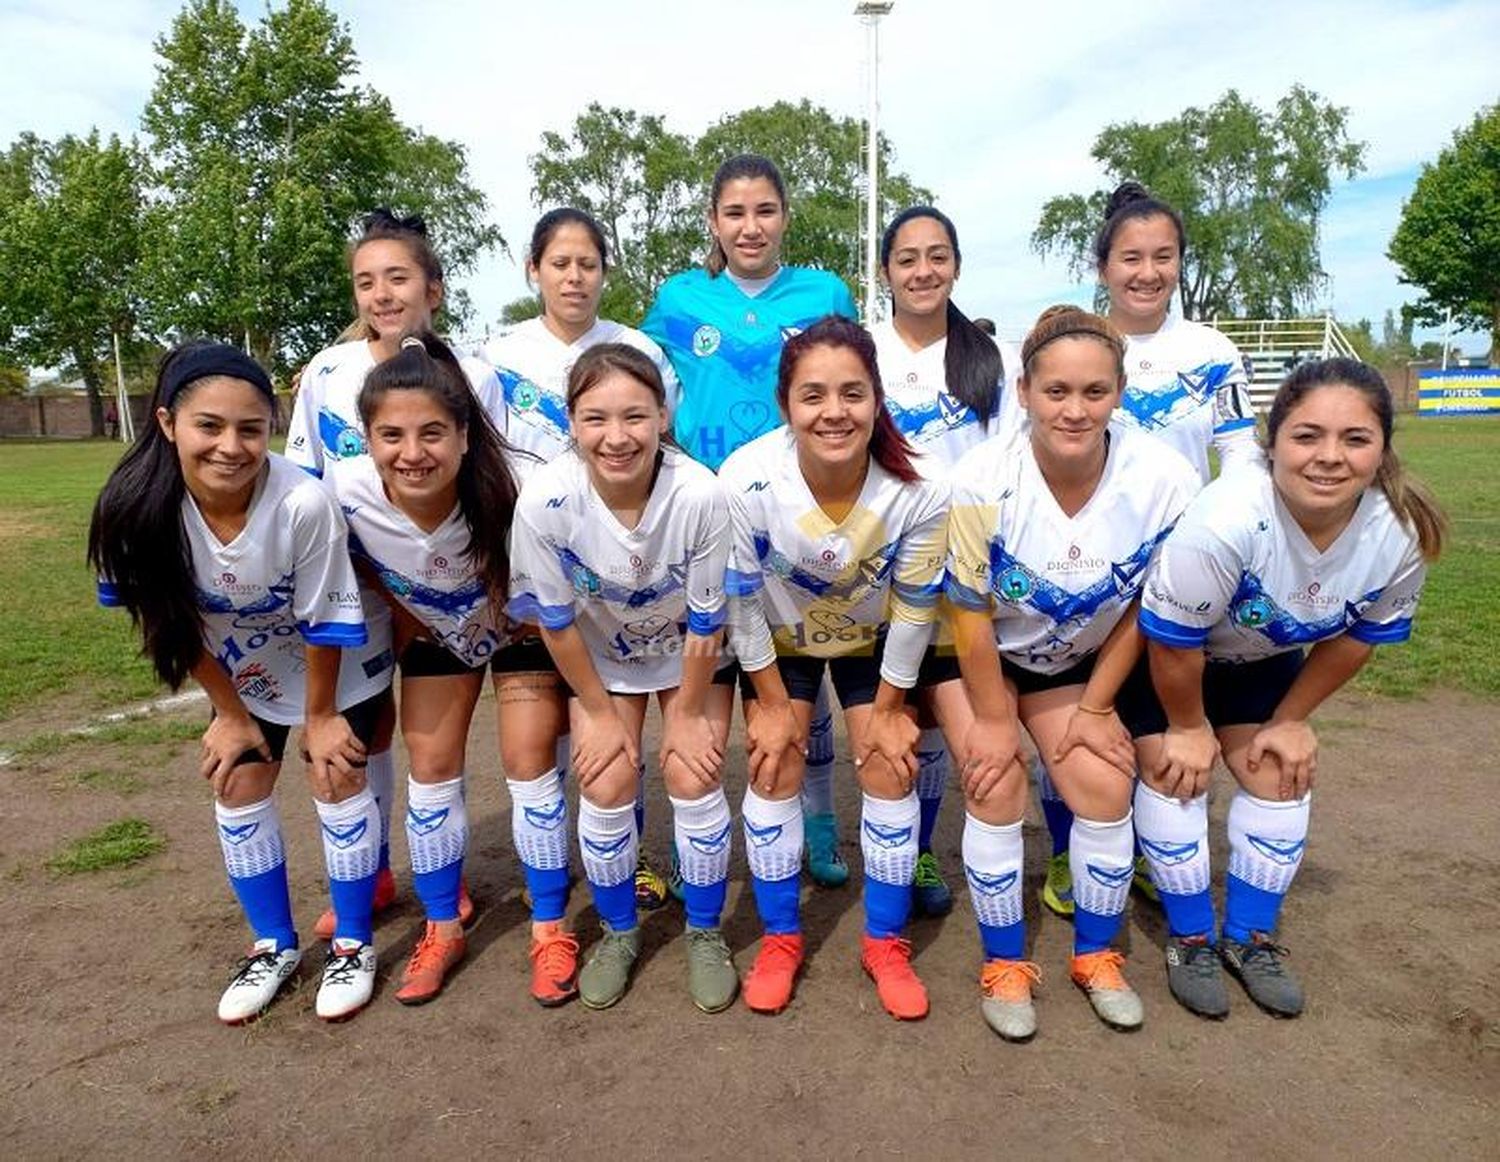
(143, 710)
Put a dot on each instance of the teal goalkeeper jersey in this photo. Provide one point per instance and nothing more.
(725, 347)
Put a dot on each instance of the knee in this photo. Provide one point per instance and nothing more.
(1004, 802)
(527, 758)
(615, 786)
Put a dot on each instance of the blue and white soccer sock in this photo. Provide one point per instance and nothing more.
(888, 840)
(1174, 838)
(1102, 856)
(380, 777)
(562, 753)
(609, 842)
(817, 778)
(773, 848)
(702, 829)
(993, 857)
(1054, 810)
(640, 801)
(255, 859)
(933, 768)
(1266, 843)
(539, 828)
(437, 832)
(351, 852)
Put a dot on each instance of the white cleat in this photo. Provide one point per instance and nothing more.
(257, 980)
(348, 980)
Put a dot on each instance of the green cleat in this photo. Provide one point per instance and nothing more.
(606, 976)
(1057, 889)
(929, 893)
(824, 863)
(712, 980)
(1142, 881)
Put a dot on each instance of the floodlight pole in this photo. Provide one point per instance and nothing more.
(870, 12)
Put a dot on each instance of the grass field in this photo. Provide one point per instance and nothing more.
(56, 643)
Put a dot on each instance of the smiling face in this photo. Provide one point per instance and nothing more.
(1070, 389)
(418, 449)
(392, 294)
(570, 278)
(748, 221)
(1141, 273)
(220, 427)
(1326, 453)
(831, 407)
(922, 268)
(618, 425)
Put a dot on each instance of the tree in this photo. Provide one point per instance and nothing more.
(268, 155)
(648, 186)
(1448, 240)
(70, 238)
(1250, 186)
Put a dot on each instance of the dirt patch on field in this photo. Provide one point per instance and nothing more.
(111, 981)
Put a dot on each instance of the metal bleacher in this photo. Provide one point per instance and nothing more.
(1274, 346)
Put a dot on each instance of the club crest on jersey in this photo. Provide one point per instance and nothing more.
(1111, 877)
(526, 396)
(546, 818)
(954, 411)
(425, 822)
(237, 835)
(710, 844)
(887, 837)
(585, 581)
(1282, 851)
(1254, 613)
(991, 885)
(342, 837)
(790, 333)
(607, 848)
(1013, 584)
(1170, 853)
(705, 341)
(762, 836)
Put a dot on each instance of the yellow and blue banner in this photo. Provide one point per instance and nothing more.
(1460, 391)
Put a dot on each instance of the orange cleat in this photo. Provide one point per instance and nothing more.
(887, 960)
(554, 965)
(1005, 997)
(431, 961)
(768, 986)
(1115, 1002)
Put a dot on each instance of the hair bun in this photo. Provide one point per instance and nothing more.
(413, 341)
(1125, 193)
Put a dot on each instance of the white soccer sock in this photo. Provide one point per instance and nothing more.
(993, 857)
(437, 824)
(933, 766)
(888, 838)
(1102, 856)
(380, 777)
(351, 836)
(773, 836)
(539, 820)
(701, 828)
(1174, 839)
(817, 779)
(250, 838)
(609, 843)
(1267, 840)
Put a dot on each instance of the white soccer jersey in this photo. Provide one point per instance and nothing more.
(1240, 579)
(1056, 585)
(533, 364)
(430, 574)
(1186, 384)
(285, 580)
(916, 395)
(806, 584)
(325, 421)
(633, 592)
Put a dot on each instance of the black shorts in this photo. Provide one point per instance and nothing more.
(1234, 694)
(426, 659)
(363, 719)
(1030, 682)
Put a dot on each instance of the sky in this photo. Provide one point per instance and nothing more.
(993, 106)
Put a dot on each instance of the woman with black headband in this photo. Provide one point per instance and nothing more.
(233, 563)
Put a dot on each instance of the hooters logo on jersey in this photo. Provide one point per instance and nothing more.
(705, 341)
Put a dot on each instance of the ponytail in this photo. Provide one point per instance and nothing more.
(1413, 503)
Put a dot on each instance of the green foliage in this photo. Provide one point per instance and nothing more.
(648, 188)
(269, 154)
(1448, 240)
(13, 380)
(117, 845)
(1250, 186)
(519, 310)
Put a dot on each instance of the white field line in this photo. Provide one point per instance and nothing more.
(143, 710)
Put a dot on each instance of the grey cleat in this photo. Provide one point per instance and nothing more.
(712, 980)
(1195, 977)
(606, 976)
(1260, 966)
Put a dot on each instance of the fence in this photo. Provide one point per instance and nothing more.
(1274, 346)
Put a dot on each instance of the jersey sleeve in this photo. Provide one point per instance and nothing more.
(708, 563)
(1187, 591)
(486, 384)
(325, 594)
(1234, 415)
(915, 588)
(972, 521)
(1388, 619)
(303, 447)
(843, 301)
(540, 593)
(749, 630)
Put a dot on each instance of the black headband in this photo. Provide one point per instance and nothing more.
(201, 361)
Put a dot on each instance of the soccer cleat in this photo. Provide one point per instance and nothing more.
(385, 896)
(1005, 997)
(554, 965)
(824, 863)
(887, 961)
(1142, 881)
(1195, 978)
(1115, 1002)
(712, 980)
(430, 962)
(348, 980)
(1259, 965)
(606, 976)
(258, 977)
(674, 878)
(1057, 888)
(771, 979)
(929, 893)
(650, 886)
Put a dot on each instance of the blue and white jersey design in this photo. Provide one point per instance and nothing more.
(1186, 385)
(430, 574)
(1057, 584)
(726, 346)
(325, 421)
(532, 365)
(285, 580)
(1239, 579)
(634, 593)
(916, 395)
(802, 583)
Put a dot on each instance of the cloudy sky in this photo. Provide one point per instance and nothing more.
(992, 105)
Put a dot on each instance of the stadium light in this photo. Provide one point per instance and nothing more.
(869, 13)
